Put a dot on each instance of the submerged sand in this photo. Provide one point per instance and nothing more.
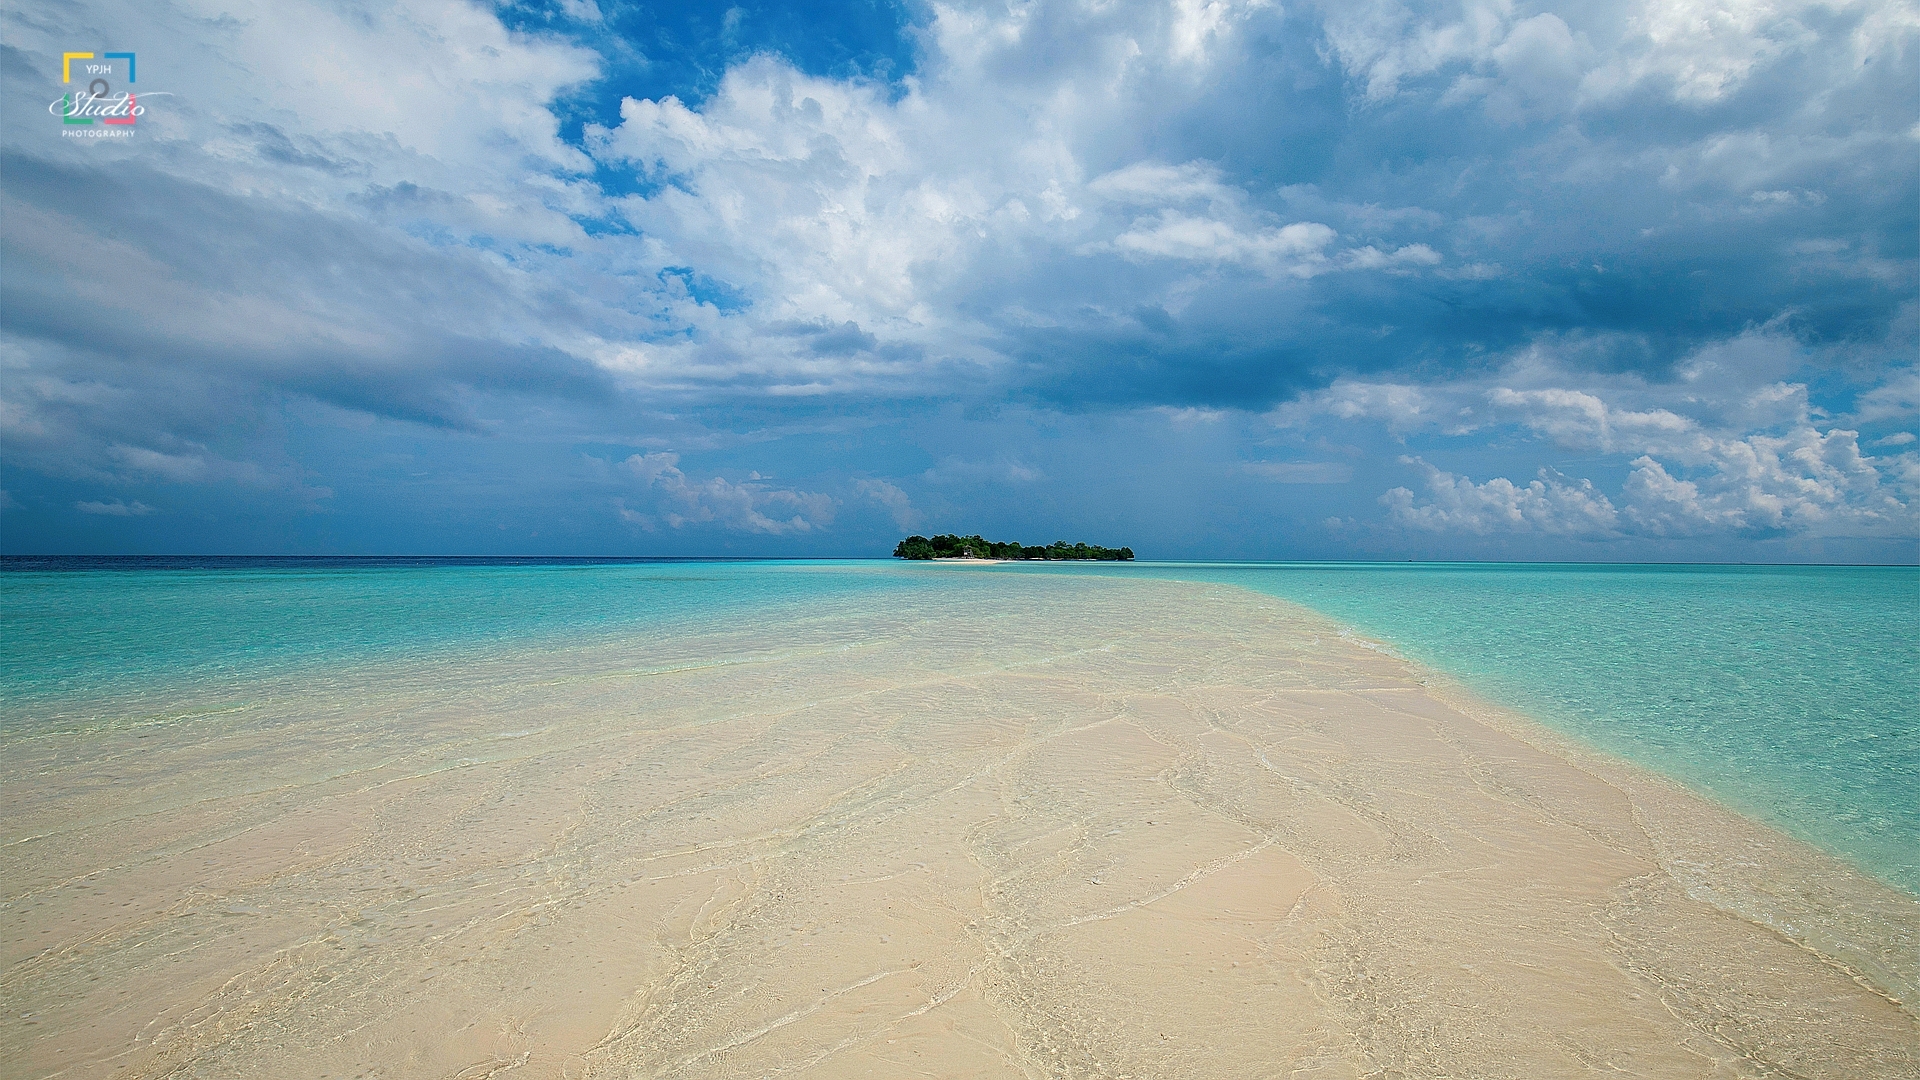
(1039, 827)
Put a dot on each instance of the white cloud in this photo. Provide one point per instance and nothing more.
(1023, 207)
(1550, 504)
(826, 201)
(1294, 249)
(1577, 418)
(1740, 451)
(1802, 481)
(1203, 220)
(1015, 150)
(318, 104)
(1402, 406)
(1155, 183)
(1372, 258)
(831, 201)
(751, 506)
(1696, 51)
(894, 499)
(1384, 42)
(1897, 396)
(1704, 49)
(1534, 72)
(1198, 24)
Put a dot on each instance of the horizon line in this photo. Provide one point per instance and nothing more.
(292, 556)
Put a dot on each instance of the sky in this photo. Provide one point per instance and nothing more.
(1364, 279)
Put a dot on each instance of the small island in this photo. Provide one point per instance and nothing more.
(949, 546)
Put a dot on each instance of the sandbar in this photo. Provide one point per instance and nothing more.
(1040, 827)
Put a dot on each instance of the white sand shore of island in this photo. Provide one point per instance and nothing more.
(1059, 827)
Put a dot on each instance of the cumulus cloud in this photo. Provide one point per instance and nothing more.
(1204, 220)
(895, 500)
(948, 220)
(1695, 51)
(1403, 407)
(750, 506)
(1431, 219)
(1577, 418)
(1751, 458)
(1703, 49)
(915, 216)
(1802, 481)
(1550, 504)
(1295, 249)
(1806, 483)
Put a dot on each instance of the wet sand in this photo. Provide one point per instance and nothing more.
(1043, 827)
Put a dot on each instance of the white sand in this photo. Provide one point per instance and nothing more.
(1089, 828)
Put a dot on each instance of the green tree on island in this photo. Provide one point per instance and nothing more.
(949, 546)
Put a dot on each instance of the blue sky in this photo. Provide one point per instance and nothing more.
(1213, 279)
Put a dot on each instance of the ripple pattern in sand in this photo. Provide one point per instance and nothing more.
(1034, 828)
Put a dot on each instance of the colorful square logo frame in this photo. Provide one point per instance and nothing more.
(99, 88)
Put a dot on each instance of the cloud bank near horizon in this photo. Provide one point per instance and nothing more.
(1234, 279)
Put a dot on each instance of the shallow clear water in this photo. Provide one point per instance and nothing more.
(1791, 693)
(113, 642)
(1786, 692)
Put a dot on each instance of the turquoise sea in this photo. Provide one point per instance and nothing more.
(1787, 692)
